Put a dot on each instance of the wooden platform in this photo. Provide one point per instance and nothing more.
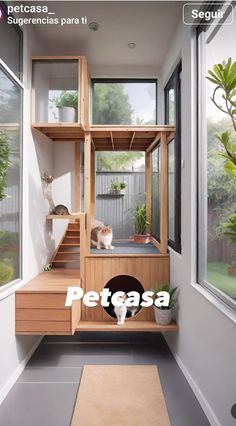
(40, 304)
(129, 326)
(61, 132)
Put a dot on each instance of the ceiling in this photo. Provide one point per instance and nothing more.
(151, 25)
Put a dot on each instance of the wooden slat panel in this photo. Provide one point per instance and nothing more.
(43, 326)
(149, 326)
(43, 314)
(75, 315)
(41, 301)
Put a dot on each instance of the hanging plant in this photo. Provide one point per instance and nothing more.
(4, 163)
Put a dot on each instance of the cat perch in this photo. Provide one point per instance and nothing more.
(95, 270)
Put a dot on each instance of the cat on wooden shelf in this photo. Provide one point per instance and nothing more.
(101, 235)
(60, 210)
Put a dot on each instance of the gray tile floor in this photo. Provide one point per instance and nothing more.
(45, 393)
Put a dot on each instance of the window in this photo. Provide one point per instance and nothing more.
(11, 44)
(124, 101)
(173, 116)
(10, 166)
(155, 191)
(216, 188)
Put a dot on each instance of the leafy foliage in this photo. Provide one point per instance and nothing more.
(230, 228)
(141, 221)
(172, 292)
(67, 99)
(111, 105)
(117, 161)
(4, 163)
(6, 273)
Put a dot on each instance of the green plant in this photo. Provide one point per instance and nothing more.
(230, 228)
(6, 273)
(67, 99)
(224, 77)
(117, 186)
(172, 292)
(8, 238)
(47, 267)
(4, 163)
(141, 221)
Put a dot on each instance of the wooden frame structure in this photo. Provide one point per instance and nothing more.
(97, 269)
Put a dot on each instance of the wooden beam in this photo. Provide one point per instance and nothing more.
(77, 177)
(170, 137)
(112, 141)
(83, 249)
(93, 183)
(148, 187)
(154, 143)
(87, 187)
(93, 144)
(164, 194)
(131, 142)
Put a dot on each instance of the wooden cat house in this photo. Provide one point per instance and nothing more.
(40, 304)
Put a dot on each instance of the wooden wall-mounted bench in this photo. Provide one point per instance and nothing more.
(40, 304)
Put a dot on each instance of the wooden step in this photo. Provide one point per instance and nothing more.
(69, 245)
(73, 232)
(65, 261)
(71, 240)
(129, 326)
(68, 252)
(66, 256)
(74, 226)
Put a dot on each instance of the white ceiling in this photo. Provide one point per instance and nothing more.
(151, 25)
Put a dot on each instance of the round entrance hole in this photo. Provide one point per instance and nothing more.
(123, 283)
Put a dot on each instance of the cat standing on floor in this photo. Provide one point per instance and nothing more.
(101, 237)
(121, 311)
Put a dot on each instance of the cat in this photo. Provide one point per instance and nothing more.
(121, 311)
(60, 210)
(101, 237)
(132, 310)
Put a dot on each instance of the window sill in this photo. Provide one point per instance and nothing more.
(10, 288)
(220, 305)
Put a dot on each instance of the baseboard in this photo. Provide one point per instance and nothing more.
(14, 376)
(214, 421)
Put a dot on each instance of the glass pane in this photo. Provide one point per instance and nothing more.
(10, 147)
(55, 85)
(10, 45)
(218, 187)
(124, 103)
(171, 189)
(171, 107)
(156, 168)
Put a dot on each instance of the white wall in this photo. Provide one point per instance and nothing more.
(205, 345)
(37, 244)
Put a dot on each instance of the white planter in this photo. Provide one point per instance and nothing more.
(163, 316)
(66, 114)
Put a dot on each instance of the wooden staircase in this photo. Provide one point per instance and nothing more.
(67, 254)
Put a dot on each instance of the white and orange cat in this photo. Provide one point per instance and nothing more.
(101, 236)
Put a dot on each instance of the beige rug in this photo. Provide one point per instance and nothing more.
(118, 395)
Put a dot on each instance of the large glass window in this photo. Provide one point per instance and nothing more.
(217, 182)
(10, 44)
(10, 171)
(124, 102)
(173, 116)
(155, 191)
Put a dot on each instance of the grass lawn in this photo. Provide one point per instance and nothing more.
(218, 276)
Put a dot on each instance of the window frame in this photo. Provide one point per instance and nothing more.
(123, 80)
(17, 80)
(219, 295)
(20, 33)
(174, 82)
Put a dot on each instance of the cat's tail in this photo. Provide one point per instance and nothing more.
(94, 243)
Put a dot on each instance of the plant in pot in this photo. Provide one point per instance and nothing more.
(163, 314)
(117, 187)
(67, 104)
(4, 164)
(141, 223)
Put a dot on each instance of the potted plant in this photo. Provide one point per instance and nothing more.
(67, 104)
(117, 187)
(141, 224)
(4, 163)
(163, 314)
(229, 228)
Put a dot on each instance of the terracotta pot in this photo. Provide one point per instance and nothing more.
(141, 239)
(232, 271)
